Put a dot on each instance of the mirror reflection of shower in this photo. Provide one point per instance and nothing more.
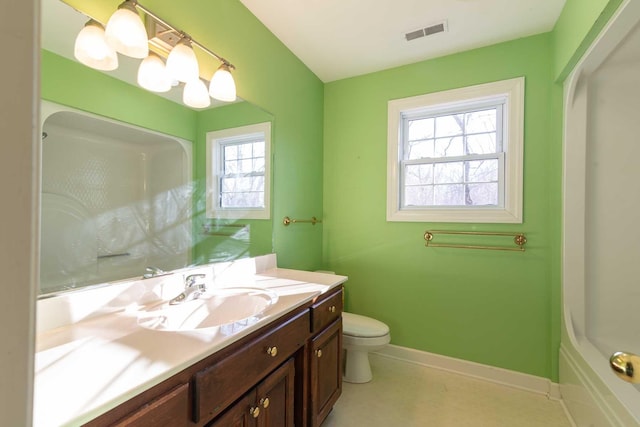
(115, 199)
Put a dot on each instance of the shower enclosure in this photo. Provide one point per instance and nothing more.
(601, 268)
(115, 199)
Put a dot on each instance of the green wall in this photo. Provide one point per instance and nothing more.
(267, 74)
(485, 306)
(261, 231)
(72, 84)
(576, 28)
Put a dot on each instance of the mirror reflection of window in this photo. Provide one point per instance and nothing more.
(238, 172)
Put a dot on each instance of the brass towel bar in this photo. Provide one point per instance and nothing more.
(313, 220)
(518, 238)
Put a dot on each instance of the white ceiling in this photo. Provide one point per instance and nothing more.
(337, 39)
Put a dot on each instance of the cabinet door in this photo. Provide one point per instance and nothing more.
(326, 372)
(275, 396)
(243, 413)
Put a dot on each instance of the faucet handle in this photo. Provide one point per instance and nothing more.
(193, 279)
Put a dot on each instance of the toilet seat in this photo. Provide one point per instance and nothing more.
(361, 326)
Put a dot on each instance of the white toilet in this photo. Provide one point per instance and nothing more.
(360, 335)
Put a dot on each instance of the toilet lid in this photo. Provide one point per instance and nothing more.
(362, 326)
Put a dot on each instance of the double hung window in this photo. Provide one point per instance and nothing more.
(238, 180)
(456, 156)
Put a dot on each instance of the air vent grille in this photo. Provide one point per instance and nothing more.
(440, 27)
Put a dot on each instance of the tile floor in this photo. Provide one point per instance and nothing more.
(404, 394)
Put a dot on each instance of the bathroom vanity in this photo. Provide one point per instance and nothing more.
(279, 368)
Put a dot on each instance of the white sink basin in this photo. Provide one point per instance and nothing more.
(215, 308)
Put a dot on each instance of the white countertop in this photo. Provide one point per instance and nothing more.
(85, 368)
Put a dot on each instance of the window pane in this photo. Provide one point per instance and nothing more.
(258, 149)
(246, 151)
(420, 129)
(483, 194)
(230, 167)
(448, 195)
(418, 174)
(257, 183)
(243, 200)
(481, 121)
(484, 143)
(449, 147)
(246, 166)
(418, 195)
(482, 170)
(236, 184)
(450, 125)
(419, 149)
(258, 164)
(230, 152)
(446, 173)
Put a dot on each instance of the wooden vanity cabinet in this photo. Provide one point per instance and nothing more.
(269, 404)
(227, 379)
(325, 364)
(287, 373)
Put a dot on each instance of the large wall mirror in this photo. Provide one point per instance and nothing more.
(124, 185)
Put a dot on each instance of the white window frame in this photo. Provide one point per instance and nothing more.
(449, 102)
(216, 140)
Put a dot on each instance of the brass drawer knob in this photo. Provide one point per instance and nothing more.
(254, 411)
(272, 351)
(265, 402)
(332, 309)
(318, 353)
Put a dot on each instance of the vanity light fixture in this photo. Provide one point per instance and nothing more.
(195, 94)
(91, 48)
(222, 86)
(152, 74)
(182, 64)
(125, 33)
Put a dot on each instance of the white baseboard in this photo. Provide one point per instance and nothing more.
(505, 377)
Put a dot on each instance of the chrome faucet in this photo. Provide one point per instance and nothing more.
(194, 286)
(153, 272)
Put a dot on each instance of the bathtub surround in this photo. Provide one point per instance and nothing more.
(600, 238)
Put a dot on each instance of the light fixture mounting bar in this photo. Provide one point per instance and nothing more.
(177, 30)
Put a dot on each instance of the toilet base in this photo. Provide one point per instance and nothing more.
(357, 368)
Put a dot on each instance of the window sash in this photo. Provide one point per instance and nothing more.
(434, 113)
(222, 159)
(500, 157)
(243, 165)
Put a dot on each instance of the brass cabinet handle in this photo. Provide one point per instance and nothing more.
(319, 353)
(272, 351)
(332, 309)
(254, 411)
(265, 402)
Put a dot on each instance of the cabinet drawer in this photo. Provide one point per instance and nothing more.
(326, 311)
(223, 382)
(170, 410)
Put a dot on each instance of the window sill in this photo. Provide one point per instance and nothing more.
(480, 215)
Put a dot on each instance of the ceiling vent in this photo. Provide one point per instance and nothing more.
(440, 27)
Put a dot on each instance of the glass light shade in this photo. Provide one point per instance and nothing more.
(125, 32)
(152, 74)
(222, 86)
(92, 50)
(182, 64)
(195, 94)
